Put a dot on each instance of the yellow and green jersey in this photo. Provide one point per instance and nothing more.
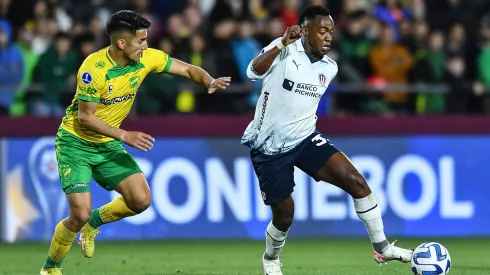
(100, 80)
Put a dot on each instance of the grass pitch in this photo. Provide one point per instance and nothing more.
(230, 257)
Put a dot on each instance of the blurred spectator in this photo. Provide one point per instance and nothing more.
(352, 6)
(484, 57)
(41, 9)
(143, 8)
(97, 29)
(456, 40)
(392, 12)
(11, 67)
(354, 46)
(226, 10)
(42, 36)
(200, 55)
(460, 94)
(430, 68)
(290, 13)
(4, 7)
(392, 62)
(220, 43)
(406, 32)
(257, 10)
(157, 94)
(418, 39)
(56, 70)
(85, 44)
(418, 9)
(245, 48)
(440, 36)
(65, 22)
(30, 60)
(266, 31)
(78, 28)
(193, 18)
(178, 31)
(459, 43)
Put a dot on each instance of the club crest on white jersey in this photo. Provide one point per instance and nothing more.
(291, 90)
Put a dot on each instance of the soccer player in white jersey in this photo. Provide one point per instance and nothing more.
(296, 72)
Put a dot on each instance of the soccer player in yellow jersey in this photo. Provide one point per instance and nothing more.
(89, 140)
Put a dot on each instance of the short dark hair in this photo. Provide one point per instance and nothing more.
(310, 12)
(126, 20)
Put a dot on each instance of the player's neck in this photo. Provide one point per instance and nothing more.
(118, 57)
(309, 50)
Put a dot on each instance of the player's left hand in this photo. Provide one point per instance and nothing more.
(219, 83)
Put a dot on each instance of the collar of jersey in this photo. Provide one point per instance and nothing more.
(300, 48)
(113, 63)
(109, 57)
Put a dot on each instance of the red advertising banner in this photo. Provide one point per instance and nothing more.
(233, 126)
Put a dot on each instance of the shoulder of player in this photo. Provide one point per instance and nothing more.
(330, 61)
(152, 55)
(97, 64)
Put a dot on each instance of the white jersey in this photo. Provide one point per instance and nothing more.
(291, 90)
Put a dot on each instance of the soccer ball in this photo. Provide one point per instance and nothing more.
(431, 259)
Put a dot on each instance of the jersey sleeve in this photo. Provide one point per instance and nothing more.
(159, 61)
(90, 82)
(252, 75)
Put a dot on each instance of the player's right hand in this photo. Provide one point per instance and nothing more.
(138, 140)
(292, 34)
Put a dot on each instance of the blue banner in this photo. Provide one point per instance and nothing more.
(206, 188)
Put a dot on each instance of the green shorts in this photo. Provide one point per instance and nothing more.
(79, 161)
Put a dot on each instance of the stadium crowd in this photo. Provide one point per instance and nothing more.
(394, 56)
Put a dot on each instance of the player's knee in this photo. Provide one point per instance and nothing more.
(283, 220)
(283, 223)
(287, 221)
(140, 204)
(358, 187)
(79, 217)
(283, 214)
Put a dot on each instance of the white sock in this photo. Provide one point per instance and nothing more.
(274, 241)
(368, 211)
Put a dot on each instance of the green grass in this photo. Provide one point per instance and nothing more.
(299, 257)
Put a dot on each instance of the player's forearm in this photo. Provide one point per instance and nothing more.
(199, 76)
(262, 63)
(99, 126)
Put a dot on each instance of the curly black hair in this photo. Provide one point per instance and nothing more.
(310, 12)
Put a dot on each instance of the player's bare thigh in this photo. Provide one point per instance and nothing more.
(339, 171)
(135, 191)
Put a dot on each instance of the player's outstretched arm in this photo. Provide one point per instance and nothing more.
(87, 117)
(198, 75)
(263, 62)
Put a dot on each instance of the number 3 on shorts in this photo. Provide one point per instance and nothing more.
(319, 138)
